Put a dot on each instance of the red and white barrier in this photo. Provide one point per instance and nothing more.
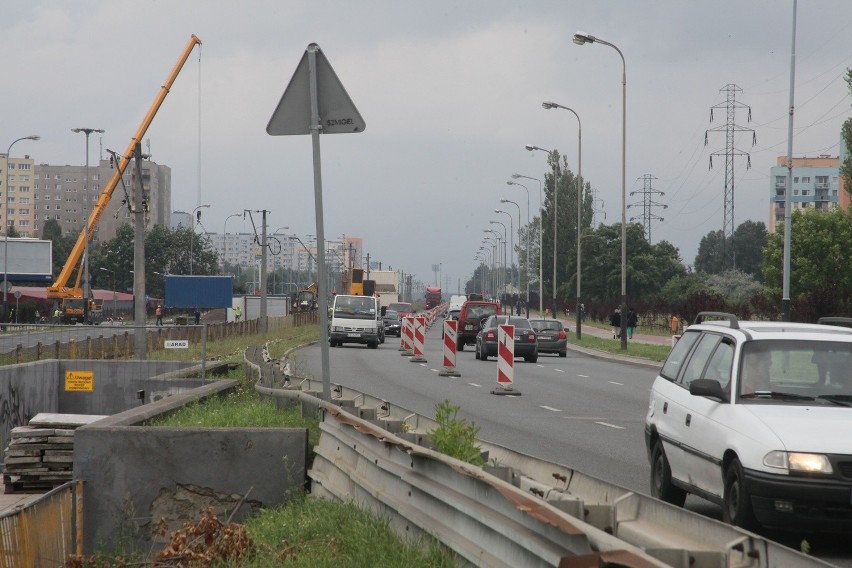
(419, 339)
(505, 360)
(407, 336)
(450, 336)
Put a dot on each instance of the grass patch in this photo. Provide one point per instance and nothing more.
(634, 349)
(313, 532)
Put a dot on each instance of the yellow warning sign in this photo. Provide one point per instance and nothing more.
(83, 381)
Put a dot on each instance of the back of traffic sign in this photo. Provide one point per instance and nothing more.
(337, 113)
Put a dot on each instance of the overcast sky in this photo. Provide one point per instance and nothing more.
(450, 92)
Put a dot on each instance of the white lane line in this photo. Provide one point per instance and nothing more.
(540, 365)
(584, 376)
(559, 370)
(615, 383)
(550, 408)
(434, 370)
(422, 364)
(610, 425)
(475, 385)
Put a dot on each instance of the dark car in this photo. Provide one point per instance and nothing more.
(552, 337)
(473, 314)
(526, 342)
(393, 323)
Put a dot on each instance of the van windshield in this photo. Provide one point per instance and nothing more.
(355, 307)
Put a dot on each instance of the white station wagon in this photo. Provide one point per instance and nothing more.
(756, 417)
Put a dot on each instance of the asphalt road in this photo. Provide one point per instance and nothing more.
(581, 411)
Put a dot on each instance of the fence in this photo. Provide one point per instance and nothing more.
(46, 531)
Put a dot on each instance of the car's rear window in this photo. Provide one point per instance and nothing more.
(479, 311)
(542, 325)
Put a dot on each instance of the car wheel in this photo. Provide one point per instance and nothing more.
(373, 344)
(459, 345)
(563, 353)
(736, 509)
(661, 478)
(476, 352)
(483, 353)
(531, 358)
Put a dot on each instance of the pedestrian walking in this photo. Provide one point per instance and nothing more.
(632, 320)
(159, 313)
(56, 314)
(615, 323)
(238, 313)
(197, 316)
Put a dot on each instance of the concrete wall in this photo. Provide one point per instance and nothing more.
(137, 475)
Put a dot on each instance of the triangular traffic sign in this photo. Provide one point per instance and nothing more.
(337, 113)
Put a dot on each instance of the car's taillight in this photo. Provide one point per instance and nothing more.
(489, 336)
(562, 335)
(531, 336)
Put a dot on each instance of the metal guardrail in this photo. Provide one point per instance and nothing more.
(377, 453)
(44, 532)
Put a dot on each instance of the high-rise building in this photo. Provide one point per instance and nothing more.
(58, 193)
(815, 186)
(19, 194)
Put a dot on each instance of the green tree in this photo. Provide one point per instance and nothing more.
(846, 135)
(820, 255)
(711, 257)
(62, 244)
(736, 287)
(748, 242)
(12, 232)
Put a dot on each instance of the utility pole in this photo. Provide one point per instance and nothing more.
(648, 193)
(140, 343)
(264, 323)
(730, 128)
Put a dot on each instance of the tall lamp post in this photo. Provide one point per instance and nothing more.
(224, 241)
(504, 200)
(7, 224)
(192, 232)
(86, 287)
(530, 148)
(112, 272)
(540, 238)
(505, 240)
(549, 105)
(511, 243)
(527, 263)
(493, 240)
(581, 38)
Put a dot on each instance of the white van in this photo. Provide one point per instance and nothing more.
(355, 319)
(456, 303)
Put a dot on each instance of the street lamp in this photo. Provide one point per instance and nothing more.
(549, 105)
(511, 244)
(527, 264)
(530, 148)
(192, 232)
(86, 284)
(114, 311)
(6, 230)
(225, 232)
(494, 242)
(504, 200)
(540, 238)
(581, 38)
(505, 240)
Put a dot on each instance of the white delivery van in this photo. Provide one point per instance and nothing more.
(456, 303)
(355, 319)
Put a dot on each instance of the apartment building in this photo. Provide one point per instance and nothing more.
(815, 185)
(19, 174)
(58, 193)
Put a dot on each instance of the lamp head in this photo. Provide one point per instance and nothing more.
(516, 176)
(582, 37)
(548, 105)
(530, 147)
(504, 200)
(34, 137)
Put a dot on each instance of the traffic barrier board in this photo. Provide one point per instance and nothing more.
(450, 336)
(419, 336)
(505, 360)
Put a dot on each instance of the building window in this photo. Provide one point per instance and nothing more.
(795, 180)
(47, 217)
(806, 192)
(24, 178)
(806, 180)
(24, 211)
(57, 176)
(24, 223)
(24, 189)
(58, 187)
(795, 192)
(23, 166)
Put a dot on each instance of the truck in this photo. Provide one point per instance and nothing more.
(433, 298)
(306, 300)
(74, 305)
(387, 285)
(355, 319)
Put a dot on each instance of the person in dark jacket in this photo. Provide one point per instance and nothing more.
(615, 323)
(632, 320)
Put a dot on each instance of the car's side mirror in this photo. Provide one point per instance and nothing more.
(709, 388)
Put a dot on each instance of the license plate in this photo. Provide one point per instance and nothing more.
(353, 335)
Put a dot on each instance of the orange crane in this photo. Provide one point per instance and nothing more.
(75, 308)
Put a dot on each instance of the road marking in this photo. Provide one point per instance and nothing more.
(475, 385)
(615, 383)
(550, 408)
(584, 376)
(434, 370)
(540, 365)
(610, 425)
(422, 364)
(559, 370)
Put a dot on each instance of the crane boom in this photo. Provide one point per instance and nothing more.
(60, 289)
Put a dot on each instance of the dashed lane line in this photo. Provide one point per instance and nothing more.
(608, 425)
(615, 383)
(584, 376)
(475, 385)
(550, 408)
(559, 370)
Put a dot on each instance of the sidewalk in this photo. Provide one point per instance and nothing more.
(607, 333)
